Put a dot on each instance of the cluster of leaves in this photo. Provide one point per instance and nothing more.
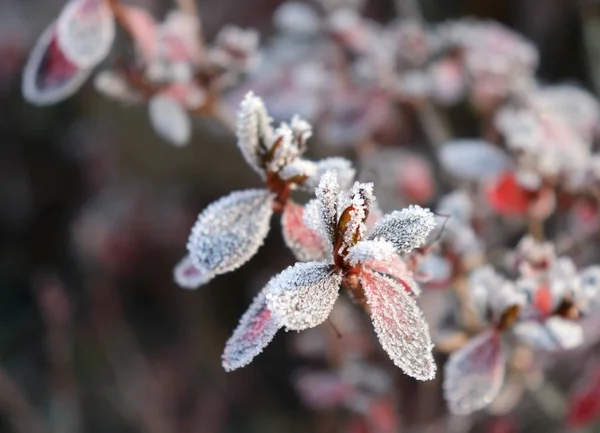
(536, 166)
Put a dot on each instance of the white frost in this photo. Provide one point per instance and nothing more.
(406, 229)
(255, 331)
(230, 231)
(303, 295)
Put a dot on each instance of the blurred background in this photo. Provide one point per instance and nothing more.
(95, 210)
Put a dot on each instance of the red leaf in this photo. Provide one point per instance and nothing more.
(507, 197)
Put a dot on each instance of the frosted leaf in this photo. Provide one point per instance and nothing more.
(254, 131)
(458, 205)
(255, 331)
(553, 334)
(115, 86)
(533, 256)
(563, 280)
(188, 276)
(230, 231)
(143, 30)
(396, 269)
(303, 295)
(302, 131)
(474, 374)
(170, 120)
(305, 243)
(85, 31)
(588, 296)
(365, 251)
(406, 229)
(400, 325)
(49, 77)
(297, 168)
(491, 293)
(297, 18)
(473, 160)
(342, 166)
(327, 206)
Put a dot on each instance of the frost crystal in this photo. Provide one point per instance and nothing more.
(170, 120)
(85, 31)
(406, 229)
(302, 296)
(474, 374)
(254, 131)
(378, 249)
(327, 206)
(189, 276)
(230, 231)
(305, 243)
(49, 77)
(255, 331)
(554, 334)
(400, 325)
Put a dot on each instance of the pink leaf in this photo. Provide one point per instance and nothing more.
(143, 28)
(400, 325)
(256, 330)
(49, 77)
(396, 269)
(85, 31)
(474, 374)
(306, 244)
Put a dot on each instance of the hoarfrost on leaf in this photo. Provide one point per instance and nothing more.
(305, 243)
(170, 119)
(188, 276)
(342, 166)
(406, 229)
(473, 160)
(474, 374)
(230, 231)
(396, 269)
(327, 206)
(553, 334)
(49, 77)
(85, 31)
(303, 295)
(255, 331)
(365, 251)
(400, 325)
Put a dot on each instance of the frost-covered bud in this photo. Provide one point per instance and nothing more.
(254, 131)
